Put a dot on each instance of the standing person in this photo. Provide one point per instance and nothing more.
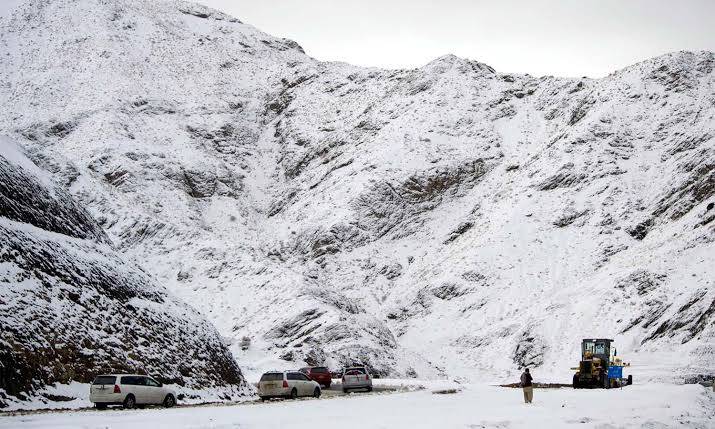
(526, 385)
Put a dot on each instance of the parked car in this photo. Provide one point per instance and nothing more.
(319, 374)
(129, 391)
(287, 384)
(356, 377)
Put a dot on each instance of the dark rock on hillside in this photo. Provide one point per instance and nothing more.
(449, 291)
(461, 229)
(564, 178)
(641, 282)
(690, 319)
(570, 216)
(387, 204)
(529, 351)
(25, 198)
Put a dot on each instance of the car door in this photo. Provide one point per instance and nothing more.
(141, 392)
(154, 390)
(295, 380)
(300, 383)
(128, 386)
(306, 384)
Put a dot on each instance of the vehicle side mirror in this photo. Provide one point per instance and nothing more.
(161, 384)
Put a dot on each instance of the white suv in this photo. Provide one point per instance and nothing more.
(356, 377)
(287, 384)
(129, 390)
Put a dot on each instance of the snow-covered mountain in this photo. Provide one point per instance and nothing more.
(71, 307)
(447, 220)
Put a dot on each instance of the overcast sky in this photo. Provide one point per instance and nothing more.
(556, 37)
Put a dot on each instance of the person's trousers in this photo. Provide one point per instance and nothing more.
(528, 394)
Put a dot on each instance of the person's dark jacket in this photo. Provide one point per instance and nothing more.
(525, 379)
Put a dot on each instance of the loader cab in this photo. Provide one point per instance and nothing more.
(596, 348)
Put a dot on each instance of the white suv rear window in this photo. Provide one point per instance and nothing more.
(104, 379)
(272, 376)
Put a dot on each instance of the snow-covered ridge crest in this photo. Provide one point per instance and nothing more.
(445, 220)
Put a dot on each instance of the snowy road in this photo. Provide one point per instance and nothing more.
(690, 406)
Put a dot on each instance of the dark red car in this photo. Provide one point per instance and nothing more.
(319, 374)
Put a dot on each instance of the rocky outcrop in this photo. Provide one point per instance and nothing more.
(72, 308)
(388, 206)
(27, 195)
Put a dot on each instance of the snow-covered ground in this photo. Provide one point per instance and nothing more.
(477, 406)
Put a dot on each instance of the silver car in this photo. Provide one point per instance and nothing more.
(287, 384)
(355, 378)
(129, 391)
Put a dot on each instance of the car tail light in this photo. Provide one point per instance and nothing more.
(367, 377)
(117, 389)
(285, 383)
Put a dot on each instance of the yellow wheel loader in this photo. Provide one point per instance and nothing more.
(598, 368)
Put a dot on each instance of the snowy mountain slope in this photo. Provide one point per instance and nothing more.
(71, 307)
(442, 220)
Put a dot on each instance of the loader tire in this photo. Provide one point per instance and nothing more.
(605, 382)
(629, 380)
(576, 384)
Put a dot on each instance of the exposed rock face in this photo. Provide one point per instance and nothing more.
(72, 308)
(243, 173)
(29, 196)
